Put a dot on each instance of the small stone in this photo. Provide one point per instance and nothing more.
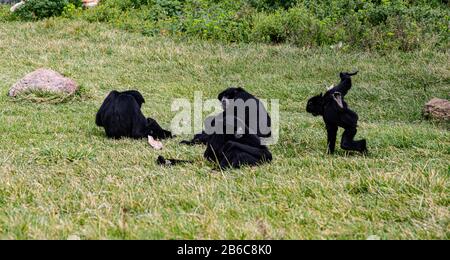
(44, 80)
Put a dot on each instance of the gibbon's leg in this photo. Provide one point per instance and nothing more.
(348, 143)
(237, 155)
(331, 136)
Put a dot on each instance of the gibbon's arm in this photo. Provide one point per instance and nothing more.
(170, 162)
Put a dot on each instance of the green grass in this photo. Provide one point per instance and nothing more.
(60, 176)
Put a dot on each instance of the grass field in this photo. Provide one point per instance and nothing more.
(60, 176)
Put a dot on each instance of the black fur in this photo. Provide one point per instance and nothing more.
(201, 138)
(236, 150)
(335, 113)
(238, 94)
(231, 150)
(121, 116)
(243, 145)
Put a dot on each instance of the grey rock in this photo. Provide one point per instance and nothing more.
(44, 80)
